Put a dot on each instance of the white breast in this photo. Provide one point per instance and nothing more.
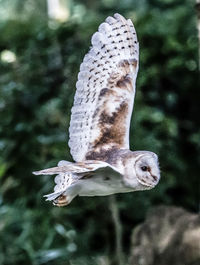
(102, 186)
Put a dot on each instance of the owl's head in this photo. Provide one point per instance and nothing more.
(142, 171)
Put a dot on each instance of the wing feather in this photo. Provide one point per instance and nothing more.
(75, 168)
(105, 90)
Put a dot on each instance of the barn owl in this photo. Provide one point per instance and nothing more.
(100, 121)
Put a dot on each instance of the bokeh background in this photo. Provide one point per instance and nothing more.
(42, 44)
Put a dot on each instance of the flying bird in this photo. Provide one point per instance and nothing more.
(100, 121)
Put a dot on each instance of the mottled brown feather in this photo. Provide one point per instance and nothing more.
(113, 126)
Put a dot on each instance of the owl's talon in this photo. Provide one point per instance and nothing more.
(61, 201)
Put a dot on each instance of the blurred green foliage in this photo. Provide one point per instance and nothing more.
(39, 63)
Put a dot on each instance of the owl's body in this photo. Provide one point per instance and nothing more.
(100, 121)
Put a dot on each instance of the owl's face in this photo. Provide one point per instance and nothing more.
(142, 170)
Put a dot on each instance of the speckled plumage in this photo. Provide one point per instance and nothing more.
(100, 121)
(105, 91)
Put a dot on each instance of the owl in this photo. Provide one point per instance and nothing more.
(100, 122)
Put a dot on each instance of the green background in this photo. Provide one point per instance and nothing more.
(36, 96)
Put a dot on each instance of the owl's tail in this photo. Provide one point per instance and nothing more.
(66, 188)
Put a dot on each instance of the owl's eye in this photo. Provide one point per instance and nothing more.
(144, 168)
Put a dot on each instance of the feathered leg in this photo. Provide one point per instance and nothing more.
(63, 198)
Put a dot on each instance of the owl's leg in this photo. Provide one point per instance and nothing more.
(64, 197)
(62, 200)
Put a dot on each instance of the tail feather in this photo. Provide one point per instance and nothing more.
(65, 190)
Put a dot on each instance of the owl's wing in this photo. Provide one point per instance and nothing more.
(75, 168)
(104, 98)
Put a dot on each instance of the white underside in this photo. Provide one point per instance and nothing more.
(99, 186)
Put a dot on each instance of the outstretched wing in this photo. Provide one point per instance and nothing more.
(103, 102)
(75, 168)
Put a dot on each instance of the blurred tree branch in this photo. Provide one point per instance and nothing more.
(118, 230)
